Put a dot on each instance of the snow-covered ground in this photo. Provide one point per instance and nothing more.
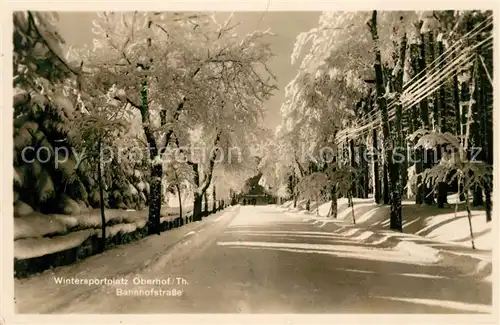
(429, 232)
(430, 222)
(144, 255)
(262, 259)
(40, 234)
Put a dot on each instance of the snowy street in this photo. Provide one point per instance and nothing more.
(255, 259)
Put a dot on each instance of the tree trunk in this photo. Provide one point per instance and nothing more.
(294, 190)
(415, 154)
(101, 197)
(352, 208)
(376, 175)
(465, 98)
(418, 169)
(156, 167)
(458, 196)
(404, 168)
(477, 136)
(381, 100)
(197, 204)
(386, 191)
(435, 97)
(427, 197)
(333, 206)
(155, 200)
(440, 118)
(180, 199)
(205, 198)
(468, 122)
(317, 206)
(366, 176)
(458, 122)
(396, 217)
(442, 197)
(354, 185)
(487, 195)
(202, 187)
(214, 208)
(456, 104)
(469, 218)
(479, 110)
(487, 126)
(477, 199)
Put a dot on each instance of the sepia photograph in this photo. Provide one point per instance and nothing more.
(253, 162)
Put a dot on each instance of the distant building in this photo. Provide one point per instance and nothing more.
(255, 194)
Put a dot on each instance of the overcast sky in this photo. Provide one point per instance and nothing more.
(76, 28)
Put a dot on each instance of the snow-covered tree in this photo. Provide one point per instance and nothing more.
(45, 92)
(171, 74)
(91, 133)
(342, 179)
(179, 179)
(313, 187)
(387, 73)
(51, 98)
(456, 163)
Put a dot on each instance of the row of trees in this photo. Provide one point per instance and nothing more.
(162, 102)
(403, 103)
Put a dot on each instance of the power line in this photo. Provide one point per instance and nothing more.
(437, 66)
(425, 86)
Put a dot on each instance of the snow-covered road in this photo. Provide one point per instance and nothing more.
(254, 260)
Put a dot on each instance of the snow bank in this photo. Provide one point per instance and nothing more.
(324, 209)
(174, 210)
(21, 208)
(287, 204)
(93, 219)
(344, 212)
(169, 218)
(364, 236)
(426, 221)
(424, 252)
(40, 225)
(38, 234)
(436, 224)
(378, 213)
(360, 209)
(34, 247)
(470, 262)
(122, 227)
(429, 234)
(447, 227)
(141, 223)
(37, 254)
